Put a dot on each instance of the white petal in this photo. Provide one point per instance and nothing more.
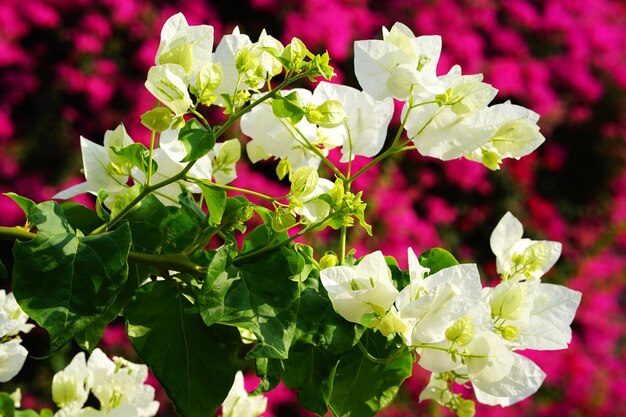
(507, 232)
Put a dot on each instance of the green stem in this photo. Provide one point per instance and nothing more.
(342, 244)
(16, 233)
(201, 117)
(152, 139)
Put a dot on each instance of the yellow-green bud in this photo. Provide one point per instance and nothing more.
(509, 333)
(283, 220)
(328, 261)
(328, 114)
(462, 331)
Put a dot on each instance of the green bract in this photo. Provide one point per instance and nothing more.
(213, 278)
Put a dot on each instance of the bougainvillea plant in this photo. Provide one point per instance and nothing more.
(211, 278)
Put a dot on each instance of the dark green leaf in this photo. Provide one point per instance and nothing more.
(437, 259)
(180, 229)
(81, 217)
(215, 198)
(319, 324)
(270, 371)
(198, 141)
(195, 364)
(3, 270)
(7, 405)
(101, 211)
(137, 155)
(311, 372)
(258, 296)
(145, 222)
(67, 282)
(362, 387)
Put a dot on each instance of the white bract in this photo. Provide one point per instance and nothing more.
(521, 258)
(430, 305)
(278, 138)
(365, 129)
(239, 404)
(102, 168)
(225, 52)
(452, 124)
(363, 293)
(517, 135)
(118, 385)
(12, 358)
(224, 158)
(168, 83)
(399, 65)
(188, 46)
(12, 317)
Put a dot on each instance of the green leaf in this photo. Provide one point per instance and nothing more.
(3, 270)
(80, 217)
(362, 387)
(270, 371)
(198, 141)
(145, 222)
(123, 199)
(195, 364)
(258, 296)
(67, 282)
(215, 198)
(319, 325)
(26, 204)
(311, 372)
(437, 259)
(180, 229)
(289, 106)
(157, 119)
(137, 155)
(7, 405)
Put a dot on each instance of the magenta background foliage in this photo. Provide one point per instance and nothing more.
(77, 67)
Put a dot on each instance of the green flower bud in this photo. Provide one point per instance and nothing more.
(303, 181)
(462, 331)
(465, 408)
(283, 220)
(509, 333)
(328, 114)
(328, 261)
(208, 80)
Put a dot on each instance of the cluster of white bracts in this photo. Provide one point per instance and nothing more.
(455, 324)
(12, 322)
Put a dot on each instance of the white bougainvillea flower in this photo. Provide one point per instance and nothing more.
(119, 382)
(363, 293)
(101, 167)
(533, 315)
(260, 52)
(12, 358)
(278, 138)
(522, 380)
(457, 123)
(399, 65)
(70, 386)
(430, 306)
(188, 46)
(168, 83)
(224, 55)
(365, 129)
(12, 317)
(239, 404)
(517, 135)
(310, 206)
(521, 258)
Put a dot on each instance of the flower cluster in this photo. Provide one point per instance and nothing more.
(12, 322)
(461, 331)
(118, 385)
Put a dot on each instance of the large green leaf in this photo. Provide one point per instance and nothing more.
(215, 198)
(145, 222)
(362, 387)
(64, 281)
(81, 217)
(258, 296)
(311, 371)
(319, 324)
(195, 363)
